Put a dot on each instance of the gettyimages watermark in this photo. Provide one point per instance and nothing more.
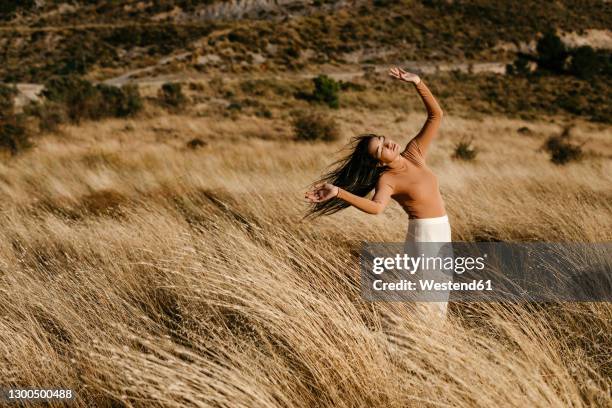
(487, 272)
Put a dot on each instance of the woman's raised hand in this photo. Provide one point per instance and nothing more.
(398, 73)
(321, 192)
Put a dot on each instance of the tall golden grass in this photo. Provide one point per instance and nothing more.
(138, 272)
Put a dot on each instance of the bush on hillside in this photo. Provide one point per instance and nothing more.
(524, 130)
(313, 126)
(196, 143)
(120, 102)
(584, 62)
(171, 95)
(551, 52)
(9, 7)
(50, 115)
(83, 100)
(326, 91)
(78, 95)
(83, 51)
(13, 134)
(553, 56)
(561, 149)
(7, 99)
(465, 151)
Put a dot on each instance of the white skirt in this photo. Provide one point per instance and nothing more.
(436, 229)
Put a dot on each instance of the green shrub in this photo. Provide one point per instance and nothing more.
(524, 130)
(171, 95)
(584, 62)
(552, 55)
(120, 102)
(83, 100)
(561, 149)
(80, 97)
(465, 151)
(50, 114)
(83, 51)
(62, 87)
(326, 91)
(7, 99)
(196, 143)
(551, 52)
(313, 126)
(132, 102)
(13, 134)
(9, 7)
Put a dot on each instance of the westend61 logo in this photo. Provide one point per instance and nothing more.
(486, 271)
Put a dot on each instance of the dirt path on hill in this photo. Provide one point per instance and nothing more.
(29, 92)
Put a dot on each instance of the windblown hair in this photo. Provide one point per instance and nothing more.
(357, 172)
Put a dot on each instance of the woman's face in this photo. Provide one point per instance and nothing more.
(383, 149)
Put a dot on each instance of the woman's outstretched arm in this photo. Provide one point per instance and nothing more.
(434, 112)
(376, 205)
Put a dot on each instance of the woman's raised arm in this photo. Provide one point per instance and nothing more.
(434, 117)
(434, 112)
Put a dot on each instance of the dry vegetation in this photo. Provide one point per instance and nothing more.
(101, 38)
(140, 272)
(159, 259)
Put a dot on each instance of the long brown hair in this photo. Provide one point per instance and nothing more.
(356, 172)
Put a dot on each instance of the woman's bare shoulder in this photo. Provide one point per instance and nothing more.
(387, 178)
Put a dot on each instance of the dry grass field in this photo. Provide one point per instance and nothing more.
(139, 272)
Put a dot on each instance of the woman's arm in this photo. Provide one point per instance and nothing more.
(434, 113)
(434, 117)
(376, 205)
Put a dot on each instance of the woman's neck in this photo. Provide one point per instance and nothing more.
(399, 163)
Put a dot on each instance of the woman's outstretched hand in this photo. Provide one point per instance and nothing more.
(322, 192)
(398, 73)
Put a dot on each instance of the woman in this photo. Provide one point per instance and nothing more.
(377, 162)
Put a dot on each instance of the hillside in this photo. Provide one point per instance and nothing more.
(102, 39)
(463, 46)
